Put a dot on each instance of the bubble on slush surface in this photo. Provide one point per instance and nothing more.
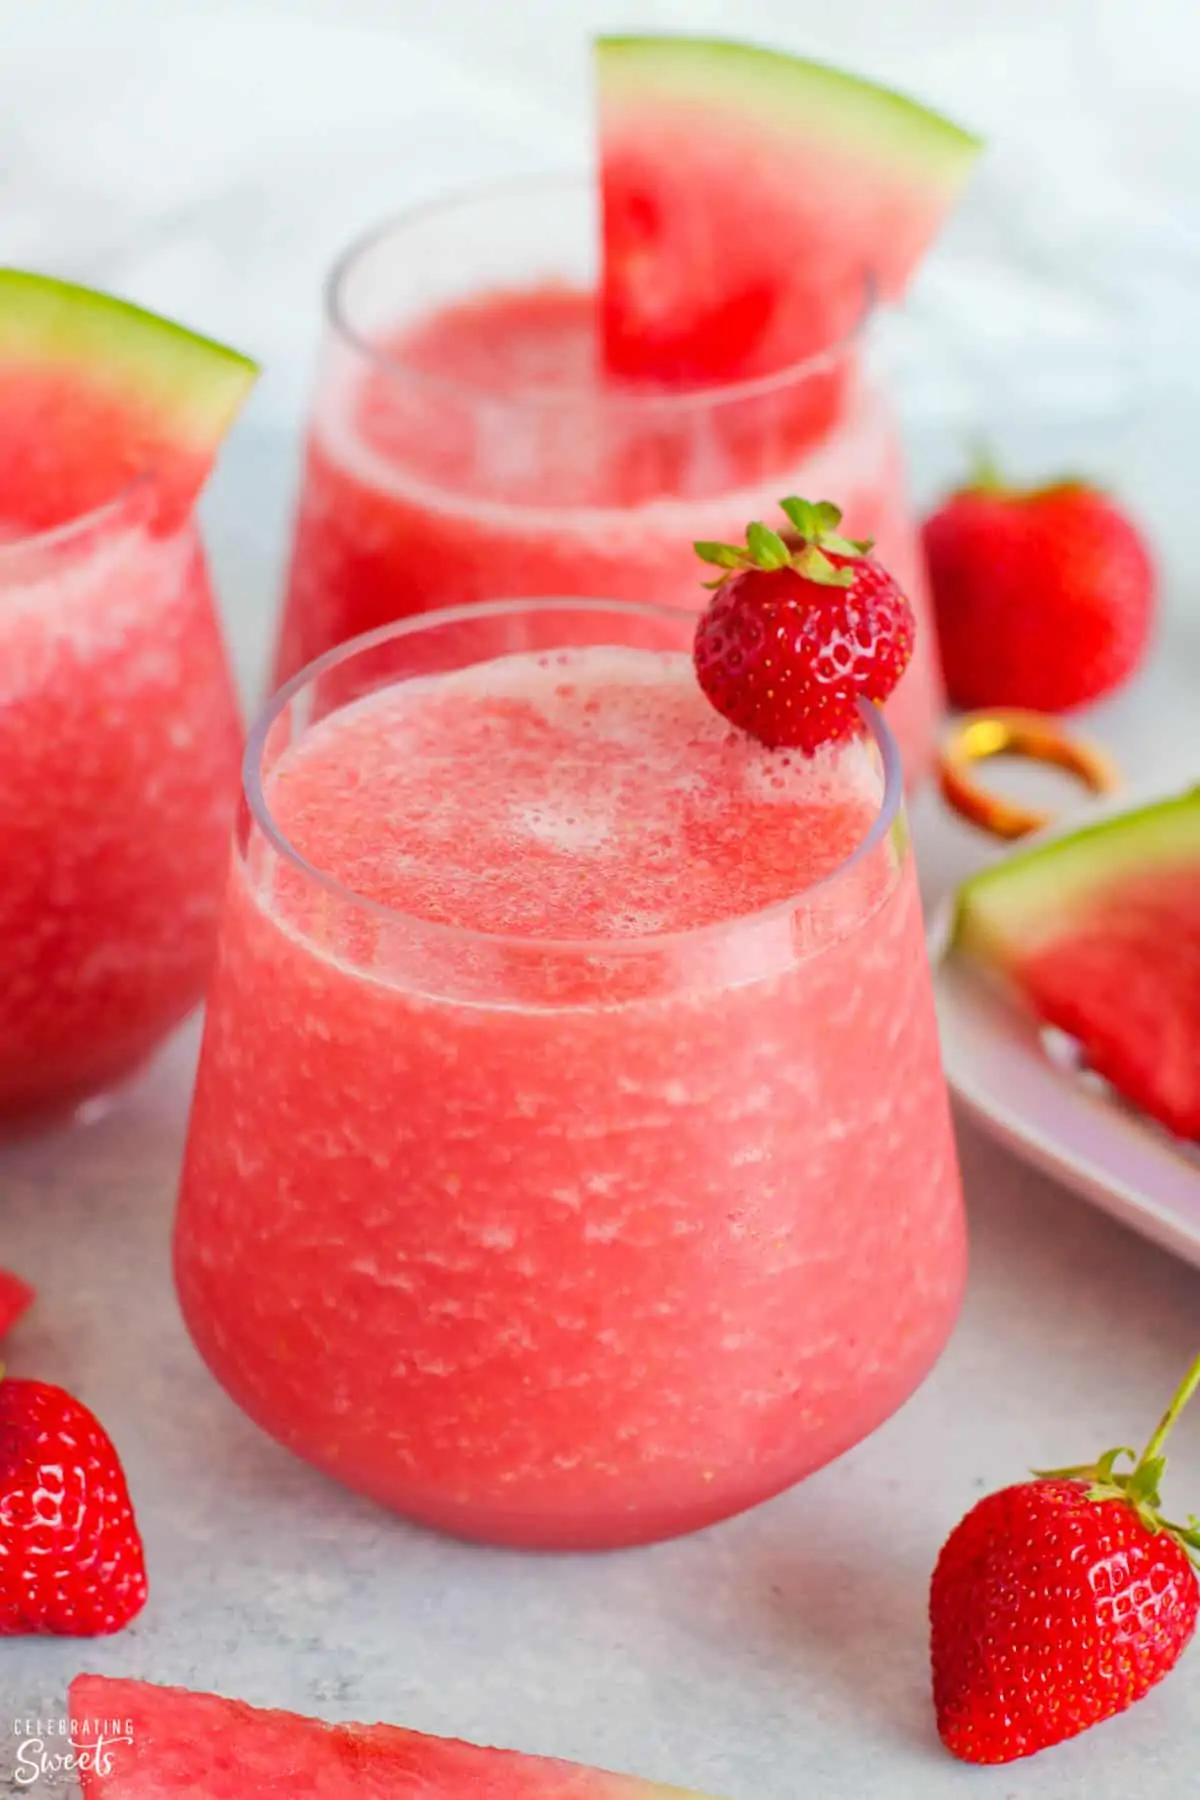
(576, 834)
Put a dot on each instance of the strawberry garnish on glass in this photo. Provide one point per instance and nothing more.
(1061, 1601)
(71, 1559)
(803, 626)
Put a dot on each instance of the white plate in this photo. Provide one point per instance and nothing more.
(996, 1067)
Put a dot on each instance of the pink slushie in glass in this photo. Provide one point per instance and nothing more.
(466, 443)
(120, 740)
(570, 1162)
(120, 731)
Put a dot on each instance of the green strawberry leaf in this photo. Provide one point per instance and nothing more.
(815, 525)
(725, 556)
(767, 548)
(815, 566)
(803, 515)
(828, 516)
(847, 546)
(1142, 1486)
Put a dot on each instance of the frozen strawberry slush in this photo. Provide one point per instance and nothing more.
(484, 453)
(120, 738)
(588, 1176)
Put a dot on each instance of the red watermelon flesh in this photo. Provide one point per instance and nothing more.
(16, 1297)
(755, 204)
(1099, 932)
(94, 393)
(213, 1749)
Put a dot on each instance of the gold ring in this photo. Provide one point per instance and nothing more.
(1034, 736)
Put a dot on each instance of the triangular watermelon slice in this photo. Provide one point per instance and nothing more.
(213, 1749)
(16, 1297)
(95, 392)
(1099, 932)
(754, 204)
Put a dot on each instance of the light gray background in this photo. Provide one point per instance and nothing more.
(209, 160)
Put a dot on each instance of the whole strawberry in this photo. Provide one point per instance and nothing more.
(800, 632)
(1059, 1602)
(1044, 598)
(16, 1297)
(71, 1561)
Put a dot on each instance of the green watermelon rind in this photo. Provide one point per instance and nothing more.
(193, 385)
(1032, 898)
(810, 101)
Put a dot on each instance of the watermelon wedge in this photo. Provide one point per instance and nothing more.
(213, 1749)
(16, 1297)
(754, 204)
(95, 392)
(1099, 932)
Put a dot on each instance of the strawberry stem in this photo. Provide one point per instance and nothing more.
(1140, 1487)
(985, 470)
(1187, 1387)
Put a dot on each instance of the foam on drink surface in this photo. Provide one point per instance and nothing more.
(586, 794)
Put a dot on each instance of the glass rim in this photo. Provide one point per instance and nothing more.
(52, 537)
(877, 728)
(632, 399)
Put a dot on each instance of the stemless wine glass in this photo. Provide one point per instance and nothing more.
(119, 743)
(545, 1239)
(465, 446)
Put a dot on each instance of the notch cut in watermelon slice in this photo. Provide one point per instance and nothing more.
(16, 1297)
(94, 393)
(214, 1749)
(755, 204)
(1099, 933)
